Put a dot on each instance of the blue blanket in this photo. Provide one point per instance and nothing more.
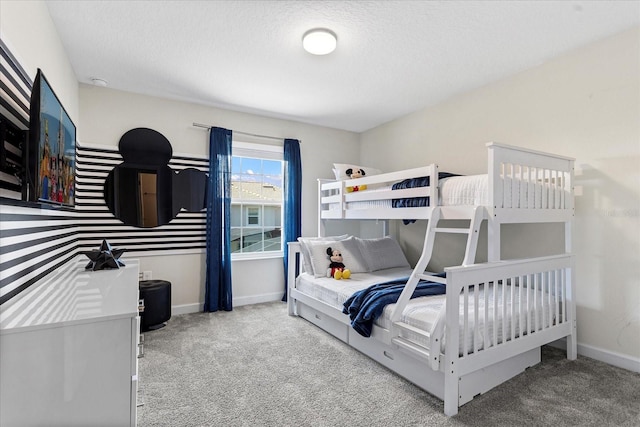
(365, 306)
(415, 202)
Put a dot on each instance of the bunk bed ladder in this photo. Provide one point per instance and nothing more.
(420, 273)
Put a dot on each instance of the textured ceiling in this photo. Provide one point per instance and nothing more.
(393, 57)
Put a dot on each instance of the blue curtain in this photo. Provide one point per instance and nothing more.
(218, 269)
(292, 199)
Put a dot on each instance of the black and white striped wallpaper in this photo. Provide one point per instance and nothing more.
(35, 241)
(15, 97)
(15, 89)
(185, 232)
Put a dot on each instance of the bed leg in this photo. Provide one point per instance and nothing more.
(450, 389)
(450, 401)
(572, 338)
(294, 257)
(291, 308)
(572, 345)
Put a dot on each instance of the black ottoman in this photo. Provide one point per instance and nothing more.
(156, 295)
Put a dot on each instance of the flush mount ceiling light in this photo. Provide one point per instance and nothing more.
(98, 82)
(319, 41)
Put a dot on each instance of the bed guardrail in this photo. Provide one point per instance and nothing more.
(527, 182)
(491, 306)
(338, 201)
(523, 297)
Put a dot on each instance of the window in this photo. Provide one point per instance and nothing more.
(253, 215)
(256, 200)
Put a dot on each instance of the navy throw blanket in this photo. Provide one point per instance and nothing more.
(365, 306)
(415, 202)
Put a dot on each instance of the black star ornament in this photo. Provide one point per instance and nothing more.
(104, 258)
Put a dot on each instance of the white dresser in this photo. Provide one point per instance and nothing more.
(68, 349)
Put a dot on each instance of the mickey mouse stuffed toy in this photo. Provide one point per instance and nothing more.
(358, 173)
(337, 269)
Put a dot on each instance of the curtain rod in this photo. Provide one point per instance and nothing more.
(200, 125)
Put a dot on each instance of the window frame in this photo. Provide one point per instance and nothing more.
(264, 152)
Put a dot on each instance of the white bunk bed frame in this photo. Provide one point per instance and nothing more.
(454, 373)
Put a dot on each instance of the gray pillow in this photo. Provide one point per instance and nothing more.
(382, 253)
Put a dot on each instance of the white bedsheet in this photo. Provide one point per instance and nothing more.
(423, 312)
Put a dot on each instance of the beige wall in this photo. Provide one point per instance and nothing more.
(107, 114)
(28, 31)
(586, 105)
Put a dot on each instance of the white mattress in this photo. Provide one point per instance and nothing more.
(469, 190)
(423, 312)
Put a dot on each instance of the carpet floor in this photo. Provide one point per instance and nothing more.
(257, 366)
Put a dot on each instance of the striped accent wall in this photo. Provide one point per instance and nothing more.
(35, 241)
(15, 98)
(15, 89)
(185, 232)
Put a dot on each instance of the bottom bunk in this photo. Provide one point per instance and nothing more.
(487, 327)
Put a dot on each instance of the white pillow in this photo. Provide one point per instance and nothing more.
(340, 170)
(306, 257)
(351, 256)
(382, 253)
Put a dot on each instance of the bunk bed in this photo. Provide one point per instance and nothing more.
(492, 318)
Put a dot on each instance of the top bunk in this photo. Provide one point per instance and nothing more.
(520, 186)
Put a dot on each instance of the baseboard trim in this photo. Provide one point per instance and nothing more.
(186, 308)
(610, 357)
(257, 299)
(237, 302)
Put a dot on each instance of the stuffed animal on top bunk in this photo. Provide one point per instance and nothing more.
(337, 269)
(354, 174)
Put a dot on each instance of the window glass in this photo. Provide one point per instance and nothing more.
(272, 167)
(235, 164)
(272, 216)
(236, 215)
(256, 204)
(251, 166)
